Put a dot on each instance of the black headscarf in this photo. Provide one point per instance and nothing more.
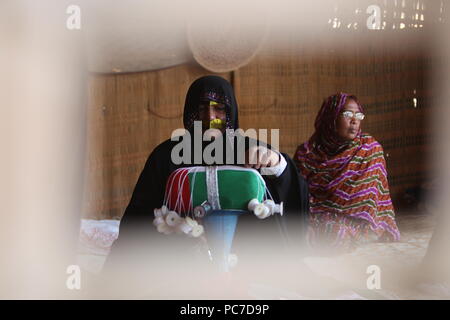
(210, 88)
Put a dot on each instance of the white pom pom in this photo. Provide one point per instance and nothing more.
(164, 210)
(164, 228)
(191, 222)
(269, 202)
(266, 213)
(261, 211)
(271, 205)
(157, 212)
(184, 227)
(197, 231)
(173, 219)
(158, 220)
(252, 204)
(258, 210)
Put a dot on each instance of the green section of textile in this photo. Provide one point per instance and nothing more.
(236, 188)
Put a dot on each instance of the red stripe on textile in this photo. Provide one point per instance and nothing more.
(178, 185)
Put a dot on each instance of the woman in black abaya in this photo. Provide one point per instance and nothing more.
(208, 98)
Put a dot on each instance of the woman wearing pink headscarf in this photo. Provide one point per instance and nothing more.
(346, 173)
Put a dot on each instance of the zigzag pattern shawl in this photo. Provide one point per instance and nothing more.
(352, 184)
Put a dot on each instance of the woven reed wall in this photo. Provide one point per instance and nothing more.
(129, 114)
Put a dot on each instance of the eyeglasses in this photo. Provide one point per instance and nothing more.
(350, 114)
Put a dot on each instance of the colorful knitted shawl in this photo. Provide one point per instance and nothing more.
(349, 192)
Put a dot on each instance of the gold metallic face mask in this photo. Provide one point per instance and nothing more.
(217, 124)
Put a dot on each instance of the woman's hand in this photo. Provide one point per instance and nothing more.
(261, 157)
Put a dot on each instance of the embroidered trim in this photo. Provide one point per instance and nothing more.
(214, 96)
(213, 187)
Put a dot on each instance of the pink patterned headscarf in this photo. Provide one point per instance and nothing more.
(325, 135)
